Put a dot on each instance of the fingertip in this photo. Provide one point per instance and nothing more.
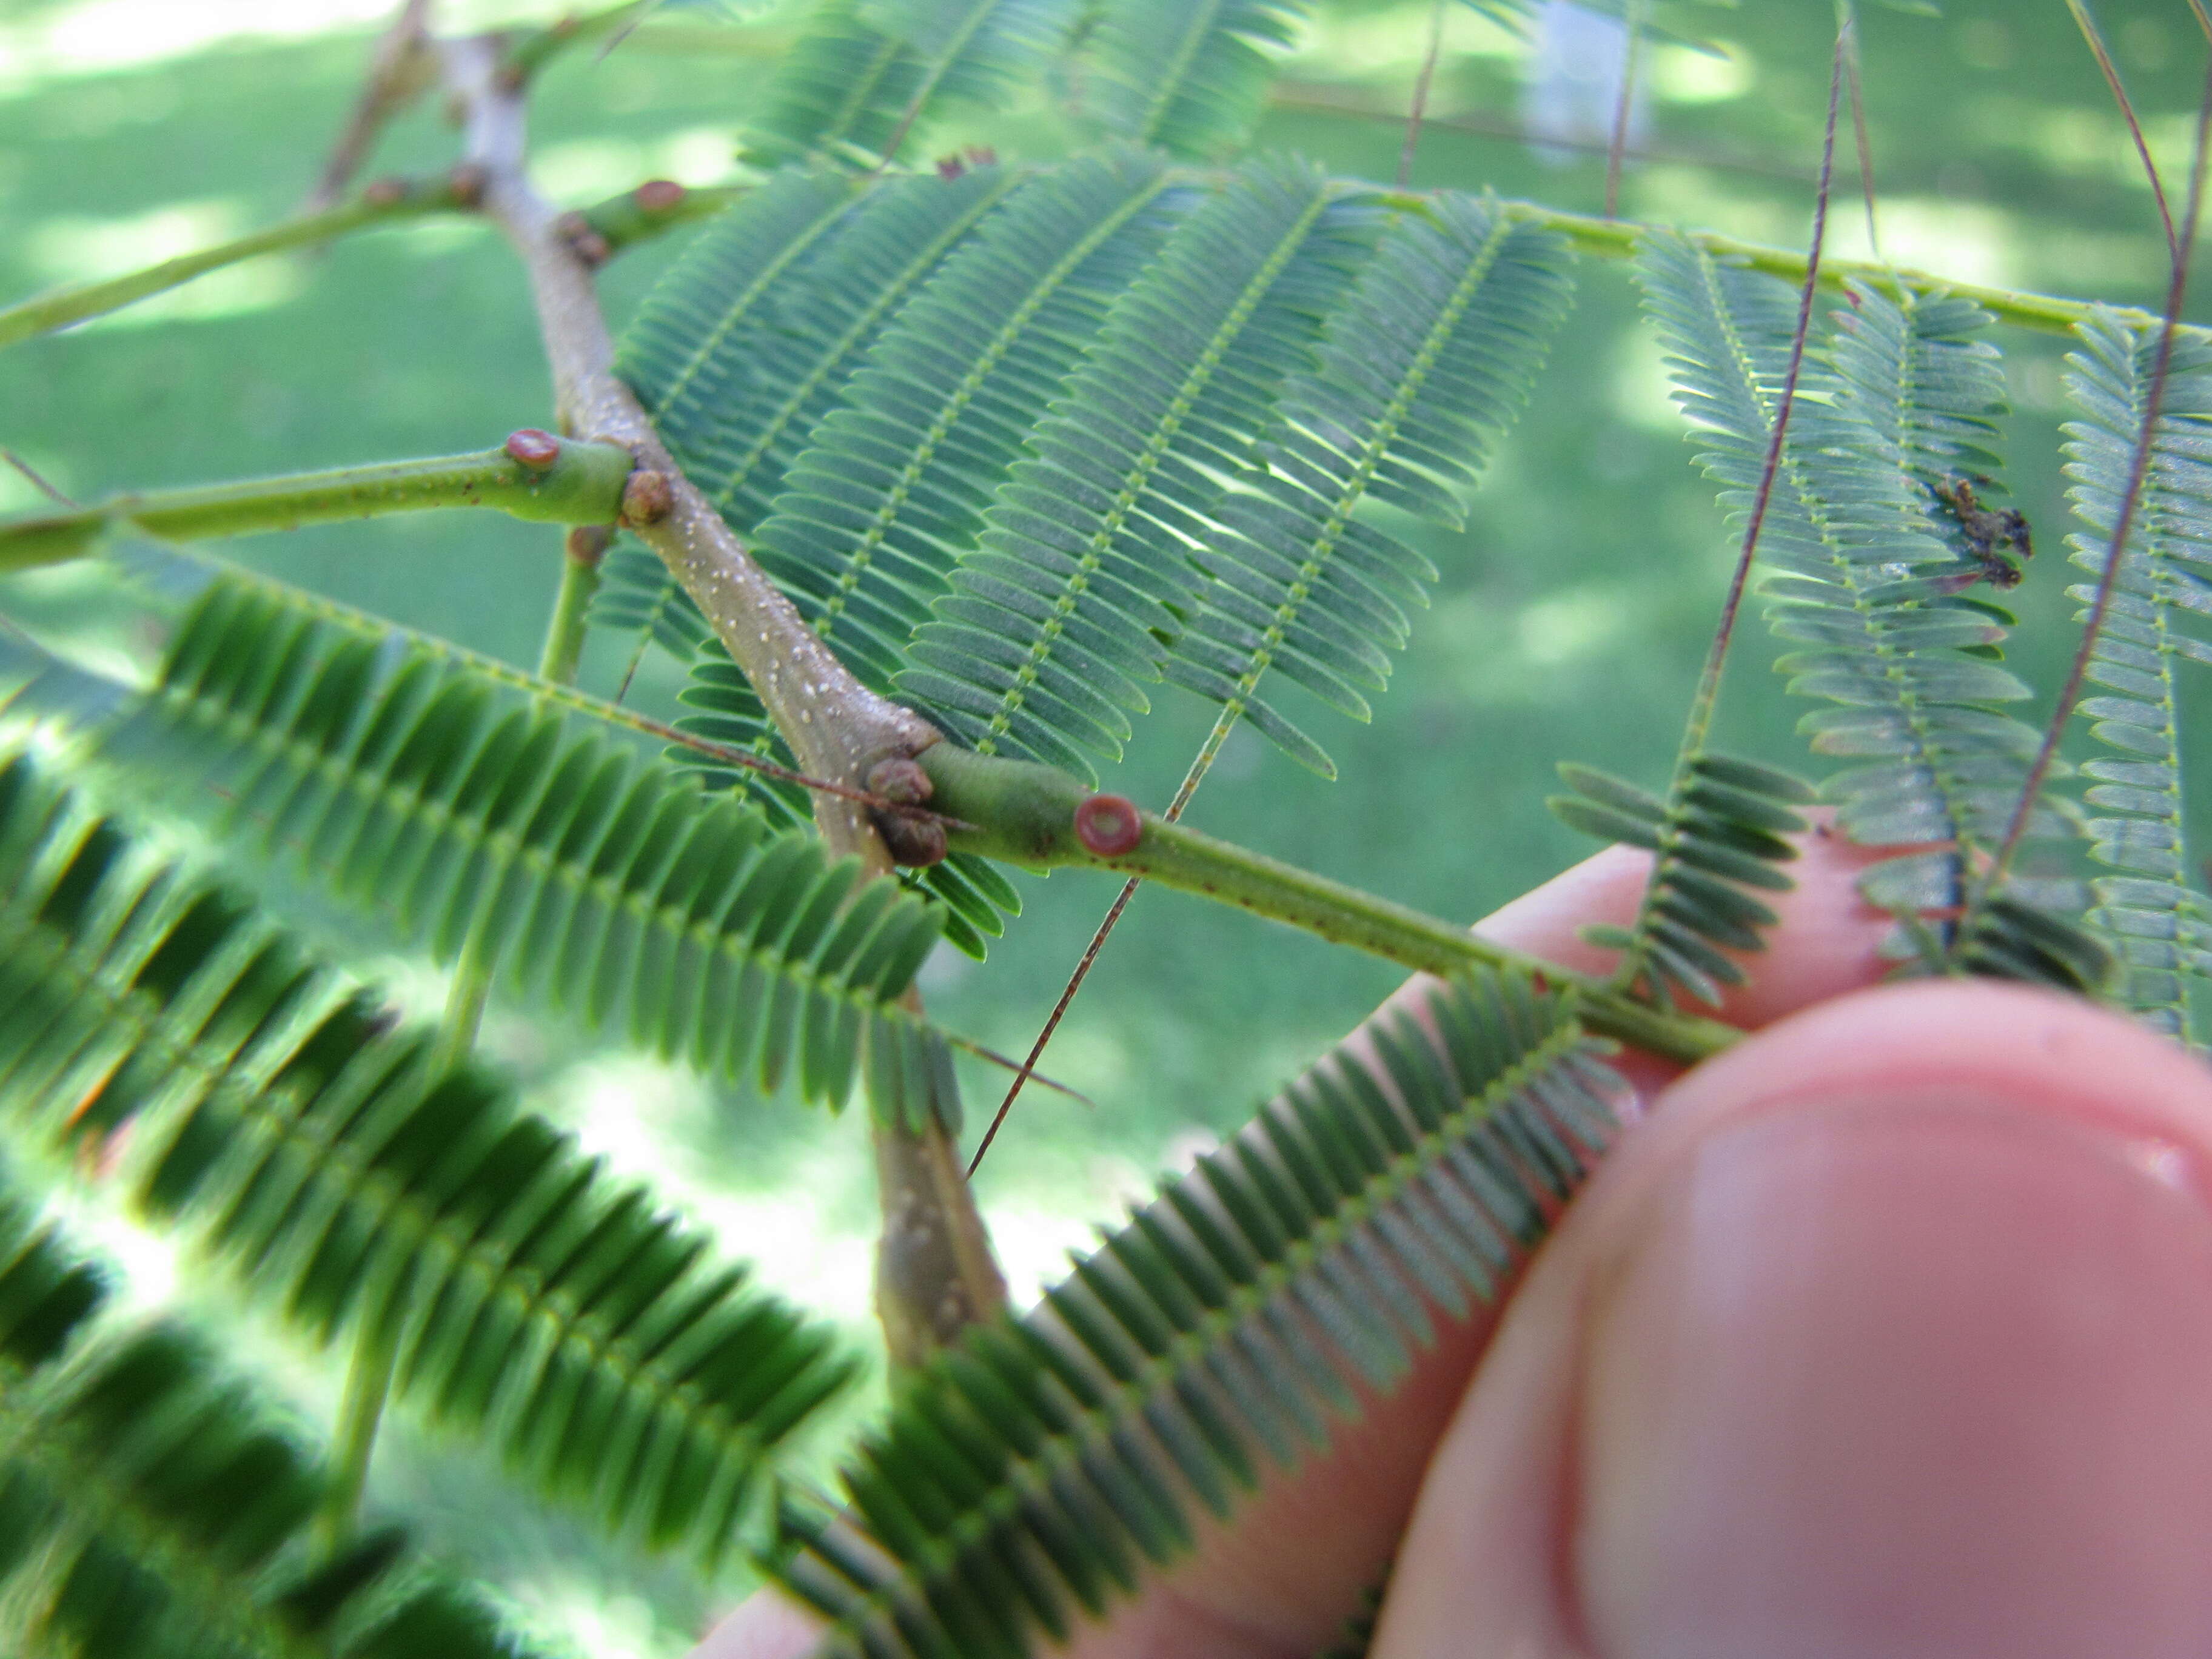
(1825, 940)
(1886, 1336)
(2037, 1049)
(764, 1626)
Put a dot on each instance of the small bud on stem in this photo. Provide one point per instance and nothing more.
(910, 841)
(647, 497)
(659, 195)
(587, 544)
(584, 239)
(916, 842)
(900, 779)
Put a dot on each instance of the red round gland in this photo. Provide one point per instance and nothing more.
(659, 195)
(534, 447)
(1109, 825)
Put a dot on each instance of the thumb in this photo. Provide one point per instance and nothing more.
(1890, 1335)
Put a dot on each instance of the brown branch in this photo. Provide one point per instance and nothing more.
(936, 1274)
(402, 69)
(836, 728)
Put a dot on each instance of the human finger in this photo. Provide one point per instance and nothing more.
(1277, 1580)
(1888, 1336)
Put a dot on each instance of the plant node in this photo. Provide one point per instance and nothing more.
(909, 839)
(912, 841)
(466, 182)
(584, 239)
(587, 544)
(647, 497)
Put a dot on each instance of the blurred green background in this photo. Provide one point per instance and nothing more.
(1569, 622)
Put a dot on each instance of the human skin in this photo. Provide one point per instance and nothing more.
(1887, 1334)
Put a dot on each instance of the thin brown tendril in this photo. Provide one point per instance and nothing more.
(1420, 105)
(37, 482)
(1623, 105)
(1709, 683)
(2138, 469)
(1854, 81)
(2090, 33)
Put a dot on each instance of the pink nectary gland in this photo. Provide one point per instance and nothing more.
(1109, 825)
(534, 447)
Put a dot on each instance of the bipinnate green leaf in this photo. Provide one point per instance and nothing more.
(897, 474)
(1056, 612)
(865, 73)
(1416, 374)
(461, 805)
(895, 482)
(2154, 910)
(748, 339)
(1047, 1464)
(1717, 841)
(1872, 557)
(1187, 76)
(252, 1098)
(151, 1507)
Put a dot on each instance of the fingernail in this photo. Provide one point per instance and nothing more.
(1904, 1376)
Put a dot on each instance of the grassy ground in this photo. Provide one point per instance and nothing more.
(1569, 622)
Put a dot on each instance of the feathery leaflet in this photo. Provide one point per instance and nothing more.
(273, 1111)
(1042, 1465)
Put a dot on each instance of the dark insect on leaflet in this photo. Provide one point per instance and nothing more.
(1990, 533)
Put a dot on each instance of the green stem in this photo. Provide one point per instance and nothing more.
(582, 484)
(377, 205)
(557, 661)
(1617, 239)
(466, 1000)
(623, 220)
(585, 546)
(639, 215)
(368, 1383)
(1025, 813)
